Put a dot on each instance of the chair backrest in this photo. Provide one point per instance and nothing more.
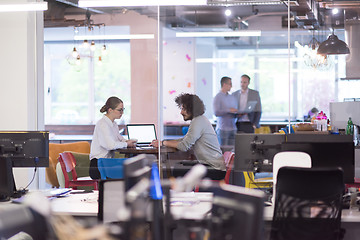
(67, 163)
(111, 168)
(308, 203)
(290, 159)
(229, 165)
(55, 149)
(227, 157)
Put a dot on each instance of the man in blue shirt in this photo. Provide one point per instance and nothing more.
(225, 107)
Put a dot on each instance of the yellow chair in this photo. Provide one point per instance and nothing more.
(263, 130)
(251, 182)
(54, 150)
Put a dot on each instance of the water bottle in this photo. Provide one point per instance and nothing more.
(350, 127)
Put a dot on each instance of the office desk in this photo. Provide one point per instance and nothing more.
(174, 168)
(84, 204)
(184, 206)
(188, 205)
(130, 152)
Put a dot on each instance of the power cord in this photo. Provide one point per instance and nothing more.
(22, 191)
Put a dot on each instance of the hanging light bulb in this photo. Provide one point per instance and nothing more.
(85, 44)
(227, 12)
(78, 61)
(75, 53)
(100, 61)
(92, 46)
(104, 50)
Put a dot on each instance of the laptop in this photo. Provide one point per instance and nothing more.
(144, 133)
(250, 107)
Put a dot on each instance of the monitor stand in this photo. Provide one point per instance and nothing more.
(7, 181)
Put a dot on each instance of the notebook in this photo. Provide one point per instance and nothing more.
(144, 133)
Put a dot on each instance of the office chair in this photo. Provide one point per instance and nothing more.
(68, 163)
(229, 161)
(111, 168)
(289, 159)
(308, 204)
(259, 183)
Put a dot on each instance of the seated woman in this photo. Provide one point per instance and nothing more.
(106, 137)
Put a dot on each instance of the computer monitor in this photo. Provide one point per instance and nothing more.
(111, 199)
(255, 152)
(137, 168)
(237, 213)
(20, 149)
(326, 151)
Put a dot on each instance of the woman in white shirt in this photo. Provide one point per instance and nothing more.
(106, 137)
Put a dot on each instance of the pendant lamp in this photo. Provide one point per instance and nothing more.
(333, 45)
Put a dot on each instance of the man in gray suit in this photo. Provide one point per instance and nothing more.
(249, 106)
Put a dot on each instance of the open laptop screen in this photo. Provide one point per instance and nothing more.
(144, 133)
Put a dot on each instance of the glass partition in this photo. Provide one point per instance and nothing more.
(158, 61)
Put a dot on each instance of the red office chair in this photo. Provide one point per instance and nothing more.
(68, 164)
(229, 161)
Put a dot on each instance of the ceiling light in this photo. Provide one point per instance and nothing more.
(243, 2)
(333, 45)
(127, 3)
(335, 11)
(78, 60)
(104, 50)
(219, 34)
(92, 46)
(115, 37)
(75, 53)
(85, 43)
(227, 12)
(34, 6)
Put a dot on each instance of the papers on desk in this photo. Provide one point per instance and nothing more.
(190, 205)
(59, 192)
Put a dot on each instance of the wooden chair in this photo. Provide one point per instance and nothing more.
(68, 164)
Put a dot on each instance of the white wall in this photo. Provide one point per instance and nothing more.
(19, 99)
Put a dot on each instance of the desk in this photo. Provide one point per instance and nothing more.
(84, 204)
(164, 151)
(87, 205)
(174, 168)
(183, 205)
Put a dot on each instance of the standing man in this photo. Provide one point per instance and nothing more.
(225, 107)
(200, 136)
(249, 107)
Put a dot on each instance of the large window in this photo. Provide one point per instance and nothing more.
(268, 69)
(76, 90)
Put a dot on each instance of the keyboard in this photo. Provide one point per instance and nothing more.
(188, 162)
(145, 147)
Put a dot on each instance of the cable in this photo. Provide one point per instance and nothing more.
(24, 190)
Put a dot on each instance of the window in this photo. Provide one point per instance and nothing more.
(74, 92)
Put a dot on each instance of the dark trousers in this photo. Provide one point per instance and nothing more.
(245, 127)
(94, 170)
